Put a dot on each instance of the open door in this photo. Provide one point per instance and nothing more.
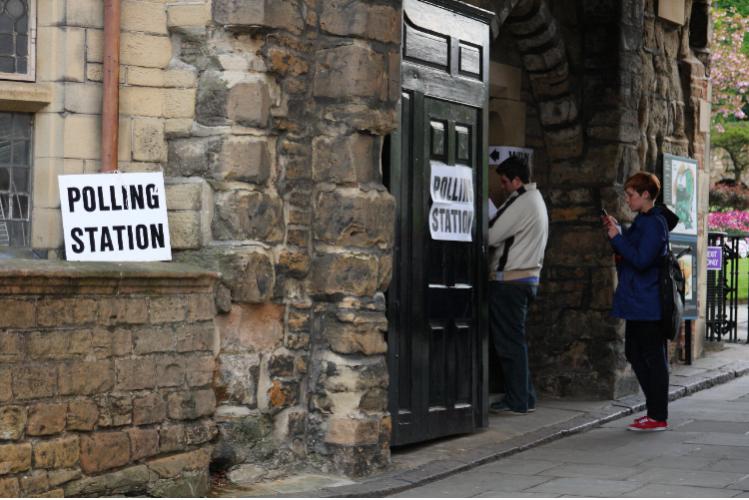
(438, 332)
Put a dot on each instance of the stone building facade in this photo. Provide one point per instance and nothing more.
(268, 119)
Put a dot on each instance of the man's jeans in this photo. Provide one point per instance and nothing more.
(645, 349)
(508, 309)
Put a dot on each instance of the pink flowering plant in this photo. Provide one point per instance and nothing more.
(734, 222)
(729, 65)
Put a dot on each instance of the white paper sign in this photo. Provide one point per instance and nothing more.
(452, 212)
(115, 217)
(498, 154)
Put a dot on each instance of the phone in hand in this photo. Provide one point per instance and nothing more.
(604, 213)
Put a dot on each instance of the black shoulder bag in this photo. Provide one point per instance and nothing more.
(672, 286)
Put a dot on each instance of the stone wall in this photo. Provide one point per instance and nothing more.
(627, 90)
(105, 379)
(293, 100)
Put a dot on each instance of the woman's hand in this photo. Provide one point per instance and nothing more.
(611, 225)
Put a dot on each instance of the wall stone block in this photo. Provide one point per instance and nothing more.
(238, 14)
(128, 480)
(115, 410)
(242, 214)
(350, 217)
(351, 71)
(248, 104)
(15, 458)
(46, 419)
(85, 377)
(143, 443)
(357, 333)
(352, 432)
(349, 274)
(247, 271)
(34, 381)
(9, 487)
(374, 22)
(12, 422)
(191, 405)
(238, 379)
(105, 450)
(83, 414)
(345, 159)
(244, 159)
(149, 409)
(57, 453)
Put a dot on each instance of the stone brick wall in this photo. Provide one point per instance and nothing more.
(293, 100)
(628, 90)
(157, 100)
(105, 379)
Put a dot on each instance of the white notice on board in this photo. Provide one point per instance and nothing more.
(452, 213)
(115, 217)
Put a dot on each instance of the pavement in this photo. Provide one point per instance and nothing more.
(704, 454)
(533, 441)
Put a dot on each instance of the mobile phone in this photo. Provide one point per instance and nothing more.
(604, 213)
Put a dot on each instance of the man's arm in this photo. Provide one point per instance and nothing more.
(507, 225)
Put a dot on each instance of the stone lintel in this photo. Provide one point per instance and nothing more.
(24, 96)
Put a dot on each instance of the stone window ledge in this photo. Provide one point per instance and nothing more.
(24, 97)
(110, 278)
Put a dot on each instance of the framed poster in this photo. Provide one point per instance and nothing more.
(689, 266)
(680, 192)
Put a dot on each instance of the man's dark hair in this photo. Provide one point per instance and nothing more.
(515, 166)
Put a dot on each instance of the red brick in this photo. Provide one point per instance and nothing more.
(86, 377)
(143, 443)
(46, 419)
(17, 313)
(135, 374)
(82, 415)
(149, 409)
(104, 450)
(167, 309)
(34, 381)
(15, 458)
(57, 453)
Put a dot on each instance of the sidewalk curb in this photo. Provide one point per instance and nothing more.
(398, 481)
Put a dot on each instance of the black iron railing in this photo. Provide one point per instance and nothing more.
(723, 290)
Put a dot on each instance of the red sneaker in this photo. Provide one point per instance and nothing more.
(647, 424)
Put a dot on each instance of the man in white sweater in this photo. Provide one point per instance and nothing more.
(518, 233)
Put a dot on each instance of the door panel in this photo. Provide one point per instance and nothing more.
(437, 338)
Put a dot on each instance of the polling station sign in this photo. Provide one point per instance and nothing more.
(714, 258)
(115, 217)
(452, 212)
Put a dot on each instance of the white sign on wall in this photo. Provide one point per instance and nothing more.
(115, 217)
(498, 154)
(452, 212)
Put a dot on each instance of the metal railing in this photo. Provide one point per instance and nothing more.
(723, 290)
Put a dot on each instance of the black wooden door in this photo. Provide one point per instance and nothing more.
(438, 330)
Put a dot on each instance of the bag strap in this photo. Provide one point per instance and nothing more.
(506, 205)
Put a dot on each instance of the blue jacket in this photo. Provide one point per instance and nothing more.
(641, 249)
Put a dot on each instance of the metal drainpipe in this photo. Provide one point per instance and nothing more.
(110, 112)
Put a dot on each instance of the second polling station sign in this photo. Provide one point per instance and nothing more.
(452, 211)
(115, 217)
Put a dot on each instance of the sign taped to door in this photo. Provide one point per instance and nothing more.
(115, 217)
(452, 212)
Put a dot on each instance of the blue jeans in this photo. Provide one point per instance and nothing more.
(508, 309)
(645, 349)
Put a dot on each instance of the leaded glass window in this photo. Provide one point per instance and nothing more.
(15, 179)
(17, 33)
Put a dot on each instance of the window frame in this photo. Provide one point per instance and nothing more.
(29, 194)
(30, 74)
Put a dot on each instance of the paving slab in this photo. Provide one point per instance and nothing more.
(593, 471)
(586, 487)
(705, 479)
(674, 491)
